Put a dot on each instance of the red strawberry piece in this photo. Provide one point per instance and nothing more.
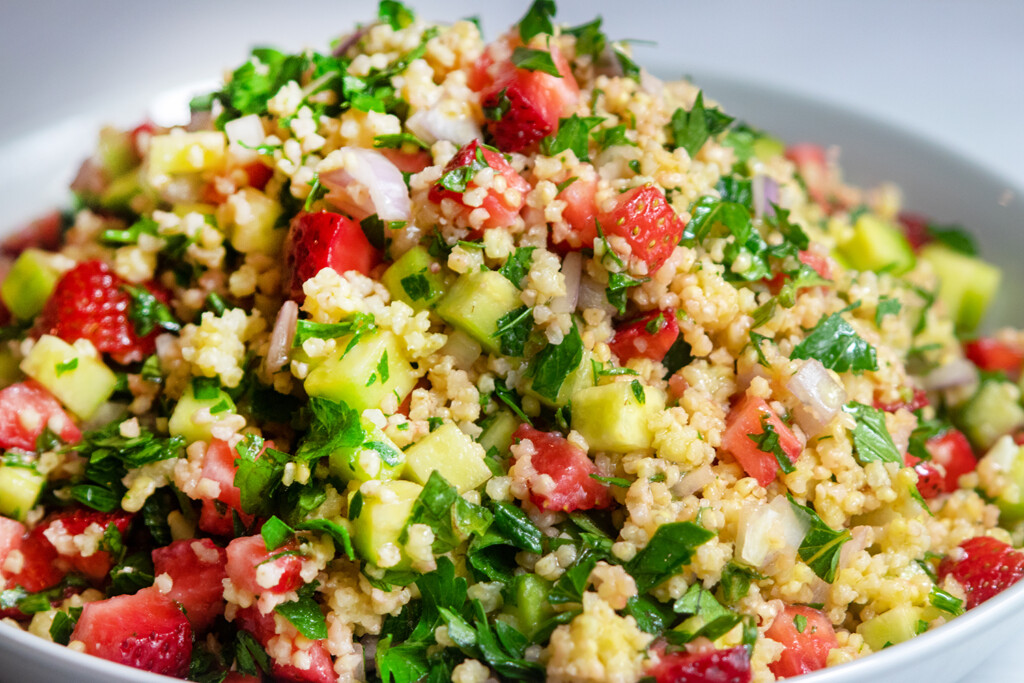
(580, 213)
(995, 356)
(326, 240)
(917, 401)
(145, 630)
(984, 566)
(262, 627)
(650, 336)
(66, 524)
(197, 568)
(712, 666)
(643, 217)
(38, 569)
(504, 198)
(952, 457)
(569, 468)
(915, 229)
(216, 516)
(26, 410)
(89, 302)
(250, 566)
(808, 636)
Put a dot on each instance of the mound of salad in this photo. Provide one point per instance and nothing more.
(425, 358)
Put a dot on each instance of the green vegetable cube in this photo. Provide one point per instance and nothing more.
(877, 245)
(121, 190)
(378, 520)
(1008, 457)
(186, 152)
(498, 431)
(475, 304)
(29, 283)
(251, 228)
(994, 410)
(612, 418)
(529, 602)
(181, 422)
(116, 151)
(451, 452)
(415, 278)
(372, 370)
(82, 382)
(19, 489)
(892, 627)
(376, 458)
(967, 284)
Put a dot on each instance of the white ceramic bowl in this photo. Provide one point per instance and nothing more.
(36, 164)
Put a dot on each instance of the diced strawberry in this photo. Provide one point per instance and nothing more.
(984, 566)
(26, 410)
(808, 637)
(42, 233)
(249, 561)
(915, 229)
(524, 106)
(259, 174)
(745, 420)
(636, 339)
(77, 521)
(812, 165)
(326, 240)
(505, 196)
(145, 630)
(216, 515)
(995, 356)
(712, 666)
(197, 568)
(38, 566)
(11, 533)
(408, 162)
(819, 263)
(569, 467)
(644, 218)
(952, 457)
(89, 302)
(580, 213)
(918, 400)
(262, 628)
(237, 677)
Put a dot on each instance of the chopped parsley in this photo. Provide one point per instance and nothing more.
(767, 441)
(458, 178)
(553, 364)
(821, 545)
(573, 133)
(638, 391)
(886, 306)
(618, 288)
(514, 329)
(670, 548)
(148, 313)
(66, 366)
(395, 14)
(871, 439)
(530, 59)
(537, 19)
(691, 129)
(837, 345)
(517, 265)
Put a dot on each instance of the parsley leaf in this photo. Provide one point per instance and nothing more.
(397, 140)
(395, 14)
(537, 19)
(837, 345)
(517, 265)
(358, 324)
(708, 212)
(612, 137)
(887, 305)
(691, 129)
(334, 426)
(305, 615)
(148, 313)
(258, 475)
(767, 441)
(736, 581)
(513, 330)
(276, 533)
(535, 60)
(590, 40)
(821, 545)
(618, 288)
(573, 133)
(942, 600)
(638, 391)
(804, 276)
(871, 439)
(669, 549)
(516, 526)
(552, 365)
(954, 237)
(63, 625)
(339, 534)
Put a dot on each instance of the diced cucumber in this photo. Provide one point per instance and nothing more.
(994, 410)
(186, 152)
(29, 283)
(577, 380)
(378, 519)
(451, 452)
(116, 152)
(181, 423)
(766, 147)
(355, 377)
(376, 458)
(611, 418)
(895, 626)
(121, 190)
(19, 489)
(498, 431)
(528, 602)
(81, 382)
(182, 210)
(877, 245)
(415, 278)
(476, 302)
(251, 228)
(967, 284)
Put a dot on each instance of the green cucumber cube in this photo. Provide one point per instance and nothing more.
(116, 151)
(179, 152)
(476, 302)
(577, 380)
(611, 418)
(498, 431)
(121, 191)
(379, 519)
(251, 228)
(967, 284)
(355, 378)
(74, 374)
(994, 410)
(892, 627)
(29, 283)
(877, 245)
(376, 458)
(451, 452)
(528, 602)
(19, 489)
(416, 278)
(181, 422)
(1008, 457)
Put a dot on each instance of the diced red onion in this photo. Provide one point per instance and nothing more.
(769, 533)
(444, 120)
(592, 295)
(572, 269)
(607, 64)
(650, 83)
(90, 179)
(694, 481)
(957, 373)
(820, 396)
(463, 348)
(279, 350)
(244, 134)
(861, 538)
(765, 192)
(367, 183)
(200, 120)
(352, 39)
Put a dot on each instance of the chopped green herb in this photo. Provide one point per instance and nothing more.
(837, 345)
(617, 290)
(691, 129)
(535, 60)
(517, 265)
(942, 600)
(537, 19)
(871, 439)
(821, 545)
(669, 549)
(767, 441)
(573, 133)
(276, 533)
(886, 306)
(800, 622)
(395, 14)
(513, 330)
(612, 137)
(147, 313)
(638, 391)
(397, 140)
(66, 366)
(552, 365)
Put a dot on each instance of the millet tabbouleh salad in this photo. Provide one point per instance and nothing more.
(426, 358)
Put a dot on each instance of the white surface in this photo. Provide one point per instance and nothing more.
(953, 71)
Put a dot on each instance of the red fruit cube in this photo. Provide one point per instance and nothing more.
(216, 516)
(254, 568)
(38, 570)
(506, 189)
(26, 410)
(262, 627)
(60, 529)
(650, 336)
(744, 420)
(326, 240)
(580, 213)
(952, 457)
(643, 217)
(711, 666)
(197, 568)
(995, 356)
(984, 566)
(145, 630)
(808, 637)
(568, 467)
